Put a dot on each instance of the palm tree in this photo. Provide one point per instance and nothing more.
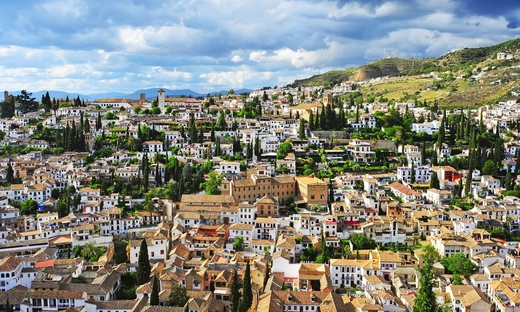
(89, 250)
(149, 207)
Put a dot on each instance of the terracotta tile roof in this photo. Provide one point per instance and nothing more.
(9, 263)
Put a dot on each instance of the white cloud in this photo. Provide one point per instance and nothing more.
(237, 78)
(236, 59)
(85, 46)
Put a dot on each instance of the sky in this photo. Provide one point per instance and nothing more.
(93, 46)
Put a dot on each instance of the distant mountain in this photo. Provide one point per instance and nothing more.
(57, 94)
(150, 93)
(237, 91)
(105, 95)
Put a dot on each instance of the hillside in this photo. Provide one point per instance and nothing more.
(460, 78)
(329, 78)
(392, 66)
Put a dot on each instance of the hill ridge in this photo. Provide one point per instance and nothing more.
(393, 66)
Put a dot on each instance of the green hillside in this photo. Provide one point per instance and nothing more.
(453, 82)
(453, 61)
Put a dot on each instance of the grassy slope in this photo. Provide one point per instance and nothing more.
(403, 88)
(468, 92)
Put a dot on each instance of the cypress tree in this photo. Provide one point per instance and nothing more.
(99, 124)
(441, 133)
(311, 120)
(234, 296)
(469, 175)
(158, 178)
(247, 291)
(497, 153)
(8, 307)
(425, 300)
(317, 121)
(71, 138)
(257, 149)
(192, 129)
(249, 151)
(241, 306)
(9, 177)
(217, 147)
(434, 157)
(423, 154)
(212, 133)
(143, 264)
(154, 296)
(301, 131)
(517, 164)
(146, 172)
(434, 181)
(508, 182)
(201, 135)
(412, 173)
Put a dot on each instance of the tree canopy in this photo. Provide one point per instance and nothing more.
(143, 264)
(360, 241)
(178, 296)
(426, 300)
(458, 264)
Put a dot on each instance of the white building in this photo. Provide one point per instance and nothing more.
(428, 127)
(10, 269)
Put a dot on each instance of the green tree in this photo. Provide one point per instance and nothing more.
(234, 295)
(154, 296)
(178, 296)
(143, 264)
(434, 181)
(489, 168)
(284, 149)
(217, 147)
(426, 300)
(89, 250)
(458, 264)
(27, 102)
(7, 109)
(412, 173)
(509, 176)
(8, 307)
(247, 291)
(29, 207)
(62, 208)
(238, 245)
(241, 306)
(9, 177)
(149, 206)
(360, 241)
(301, 131)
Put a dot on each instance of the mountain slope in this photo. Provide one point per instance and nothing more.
(453, 61)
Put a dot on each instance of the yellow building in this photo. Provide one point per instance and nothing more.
(257, 186)
(313, 190)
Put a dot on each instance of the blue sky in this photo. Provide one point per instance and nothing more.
(91, 46)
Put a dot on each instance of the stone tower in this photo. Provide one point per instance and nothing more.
(161, 96)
